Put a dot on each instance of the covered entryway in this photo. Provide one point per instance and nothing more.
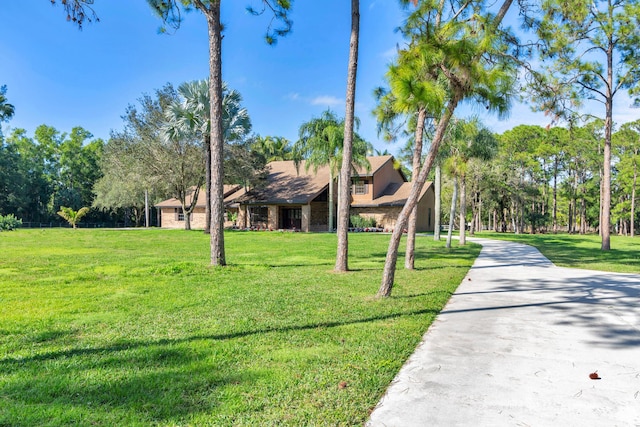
(291, 218)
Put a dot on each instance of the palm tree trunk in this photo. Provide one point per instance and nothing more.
(344, 203)
(388, 274)
(463, 210)
(452, 213)
(212, 14)
(437, 205)
(409, 260)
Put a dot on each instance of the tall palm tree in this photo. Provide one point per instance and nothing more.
(193, 114)
(320, 144)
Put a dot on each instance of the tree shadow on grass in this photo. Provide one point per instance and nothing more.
(141, 387)
(129, 345)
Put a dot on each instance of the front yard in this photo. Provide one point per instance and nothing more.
(115, 327)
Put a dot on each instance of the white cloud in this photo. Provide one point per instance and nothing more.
(327, 100)
(293, 96)
(390, 54)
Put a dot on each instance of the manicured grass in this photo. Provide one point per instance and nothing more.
(115, 327)
(581, 251)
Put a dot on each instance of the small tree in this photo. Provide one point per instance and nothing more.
(71, 216)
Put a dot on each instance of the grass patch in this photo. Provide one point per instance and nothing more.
(581, 251)
(132, 327)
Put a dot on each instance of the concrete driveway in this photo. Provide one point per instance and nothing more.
(515, 346)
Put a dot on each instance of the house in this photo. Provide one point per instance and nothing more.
(297, 198)
(170, 210)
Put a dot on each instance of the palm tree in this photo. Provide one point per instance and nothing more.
(193, 114)
(320, 144)
(462, 59)
(273, 148)
(71, 216)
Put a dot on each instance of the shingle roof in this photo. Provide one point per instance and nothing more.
(394, 195)
(200, 203)
(288, 184)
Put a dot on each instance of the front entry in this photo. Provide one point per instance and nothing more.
(291, 218)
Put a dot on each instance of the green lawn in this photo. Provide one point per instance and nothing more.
(581, 251)
(114, 327)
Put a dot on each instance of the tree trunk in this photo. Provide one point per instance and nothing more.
(463, 210)
(452, 212)
(207, 189)
(555, 195)
(583, 206)
(633, 199)
(146, 209)
(212, 14)
(388, 274)
(409, 260)
(344, 202)
(606, 184)
(437, 204)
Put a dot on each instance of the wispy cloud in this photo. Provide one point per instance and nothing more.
(293, 96)
(327, 100)
(390, 53)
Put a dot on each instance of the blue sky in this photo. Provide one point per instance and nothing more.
(63, 77)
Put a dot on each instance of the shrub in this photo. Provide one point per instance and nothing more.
(9, 222)
(358, 221)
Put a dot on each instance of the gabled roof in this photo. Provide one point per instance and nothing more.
(394, 194)
(376, 163)
(288, 184)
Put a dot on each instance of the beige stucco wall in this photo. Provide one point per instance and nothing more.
(272, 222)
(168, 218)
(387, 216)
(242, 217)
(306, 217)
(383, 177)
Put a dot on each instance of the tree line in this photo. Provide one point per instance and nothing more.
(534, 179)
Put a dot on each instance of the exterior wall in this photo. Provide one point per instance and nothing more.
(362, 198)
(426, 214)
(242, 217)
(169, 218)
(272, 221)
(385, 216)
(306, 217)
(383, 177)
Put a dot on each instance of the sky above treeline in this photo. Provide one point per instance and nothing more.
(63, 77)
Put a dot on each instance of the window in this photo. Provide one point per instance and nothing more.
(360, 186)
(179, 214)
(259, 214)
